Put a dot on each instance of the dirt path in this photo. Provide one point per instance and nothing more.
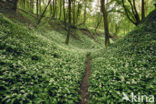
(84, 84)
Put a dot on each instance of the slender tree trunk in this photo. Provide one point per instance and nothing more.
(40, 10)
(69, 13)
(74, 13)
(43, 13)
(64, 12)
(51, 10)
(54, 8)
(136, 13)
(106, 27)
(78, 12)
(60, 9)
(37, 2)
(143, 9)
(98, 24)
(32, 6)
(132, 19)
(85, 12)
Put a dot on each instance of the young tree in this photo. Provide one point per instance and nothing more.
(69, 27)
(37, 2)
(60, 9)
(85, 12)
(64, 12)
(74, 21)
(106, 27)
(54, 8)
(42, 15)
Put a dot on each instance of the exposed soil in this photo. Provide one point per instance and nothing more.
(84, 84)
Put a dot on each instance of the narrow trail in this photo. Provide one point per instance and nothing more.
(84, 84)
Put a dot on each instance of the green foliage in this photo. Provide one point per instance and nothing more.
(35, 67)
(127, 66)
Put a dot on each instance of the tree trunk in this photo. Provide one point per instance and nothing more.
(51, 10)
(131, 18)
(32, 6)
(103, 9)
(54, 8)
(85, 12)
(69, 13)
(64, 12)
(74, 13)
(60, 9)
(143, 9)
(37, 2)
(136, 13)
(78, 12)
(98, 24)
(43, 13)
(40, 11)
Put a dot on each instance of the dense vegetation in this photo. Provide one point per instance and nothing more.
(127, 66)
(44, 43)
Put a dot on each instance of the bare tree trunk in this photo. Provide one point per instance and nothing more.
(143, 9)
(54, 8)
(103, 9)
(60, 9)
(74, 13)
(32, 6)
(69, 13)
(51, 10)
(85, 12)
(43, 13)
(37, 2)
(98, 24)
(132, 19)
(64, 12)
(136, 13)
(78, 12)
(40, 6)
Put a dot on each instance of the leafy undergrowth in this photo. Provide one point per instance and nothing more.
(128, 66)
(36, 66)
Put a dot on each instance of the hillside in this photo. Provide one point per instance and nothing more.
(128, 66)
(36, 67)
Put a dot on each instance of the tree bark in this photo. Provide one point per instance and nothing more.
(40, 10)
(85, 12)
(37, 2)
(136, 13)
(98, 24)
(106, 27)
(143, 9)
(69, 13)
(54, 8)
(78, 12)
(74, 13)
(60, 9)
(132, 19)
(64, 12)
(43, 13)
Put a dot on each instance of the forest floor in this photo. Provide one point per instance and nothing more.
(37, 67)
(84, 84)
